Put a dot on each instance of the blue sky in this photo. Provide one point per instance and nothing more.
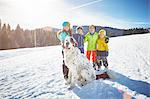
(40, 13)
(132, 11)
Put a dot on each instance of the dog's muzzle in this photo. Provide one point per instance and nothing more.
(67, 44)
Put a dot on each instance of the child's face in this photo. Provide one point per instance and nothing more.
(92, 29)
(66, 28)
(101, 35)
(80, 31)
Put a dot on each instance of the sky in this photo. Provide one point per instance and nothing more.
(32, 14)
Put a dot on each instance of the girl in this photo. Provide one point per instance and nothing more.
(102, 49)
(62, 34)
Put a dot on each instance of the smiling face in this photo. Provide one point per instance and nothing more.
(91, 29)
(66, 28)
(80, 31)
(101, 35)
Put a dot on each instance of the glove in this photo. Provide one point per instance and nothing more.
(106, 40)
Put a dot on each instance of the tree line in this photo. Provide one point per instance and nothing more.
(19, 38)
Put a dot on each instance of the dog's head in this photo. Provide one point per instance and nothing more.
(69, 43)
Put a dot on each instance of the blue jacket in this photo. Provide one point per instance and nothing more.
(62, 36)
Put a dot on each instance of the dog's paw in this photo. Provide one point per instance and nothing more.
(71, 87)
(80, 84)
(67, 82)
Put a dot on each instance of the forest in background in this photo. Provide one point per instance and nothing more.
(20, 38)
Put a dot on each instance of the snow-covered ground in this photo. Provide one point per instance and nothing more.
(37, 72)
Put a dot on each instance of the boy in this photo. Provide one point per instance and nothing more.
(91, 37)
(79, 37)
(102, 49)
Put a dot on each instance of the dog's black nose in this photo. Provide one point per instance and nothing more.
(67, 44)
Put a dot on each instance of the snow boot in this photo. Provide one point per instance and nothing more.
(105, 63)
(99, 64)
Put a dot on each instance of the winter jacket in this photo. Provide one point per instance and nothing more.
(102, 45)
(80, 40)
(62, 35)
(91, 39)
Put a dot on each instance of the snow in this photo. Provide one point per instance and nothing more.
(37, 72)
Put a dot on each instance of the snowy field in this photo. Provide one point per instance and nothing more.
(37, 73)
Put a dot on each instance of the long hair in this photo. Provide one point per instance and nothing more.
(68, 32)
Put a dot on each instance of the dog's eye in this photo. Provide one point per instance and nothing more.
(67, 43)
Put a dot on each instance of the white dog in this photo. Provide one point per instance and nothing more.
(81, 71)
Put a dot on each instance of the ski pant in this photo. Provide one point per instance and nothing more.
(82, 50)
(102, 58)
(93, 53)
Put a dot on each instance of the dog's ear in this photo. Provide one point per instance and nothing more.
(73, 41)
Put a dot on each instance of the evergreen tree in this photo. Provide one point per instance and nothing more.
(4, 37)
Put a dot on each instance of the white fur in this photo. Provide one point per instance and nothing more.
(81, 71)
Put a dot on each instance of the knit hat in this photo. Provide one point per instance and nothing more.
(66, 24)
(102, 31)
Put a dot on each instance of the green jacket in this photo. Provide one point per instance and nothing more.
(92, 40)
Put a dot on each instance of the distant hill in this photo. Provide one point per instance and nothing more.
(114, 32)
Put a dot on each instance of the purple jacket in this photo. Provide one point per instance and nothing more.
(80, 40)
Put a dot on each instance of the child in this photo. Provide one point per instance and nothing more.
(79, 37)
(62, 34)
(102, 49)
(91, 37)
(66, 31)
